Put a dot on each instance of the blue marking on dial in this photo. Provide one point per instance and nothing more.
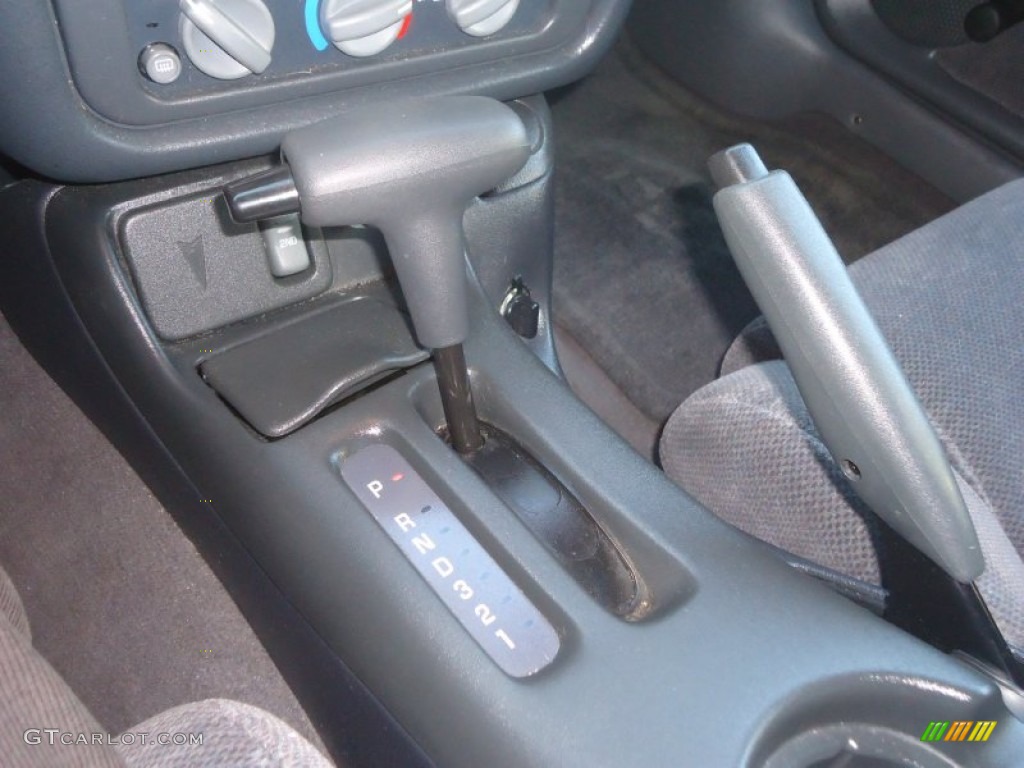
(316, 35)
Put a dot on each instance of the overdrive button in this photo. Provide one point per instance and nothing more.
(286, 248)
(502, 620)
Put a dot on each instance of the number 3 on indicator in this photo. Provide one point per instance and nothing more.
(465, 591)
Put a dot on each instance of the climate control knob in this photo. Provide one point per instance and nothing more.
(363, 27)
(227, 39)
(481, 17)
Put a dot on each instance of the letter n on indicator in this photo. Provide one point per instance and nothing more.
(423, 543)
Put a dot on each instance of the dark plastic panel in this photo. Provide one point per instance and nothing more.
(728, 615)
(557, 518)
(196, 269)
(284, 378)
(48, 125)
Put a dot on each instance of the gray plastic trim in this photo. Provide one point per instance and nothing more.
(777, 60)
(857, 28)
(49, 125)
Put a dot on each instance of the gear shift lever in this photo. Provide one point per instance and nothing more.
(410, 169)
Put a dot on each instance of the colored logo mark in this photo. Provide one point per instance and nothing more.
(195, 256)
(958, 730)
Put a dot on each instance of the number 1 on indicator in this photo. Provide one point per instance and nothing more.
(500, 634)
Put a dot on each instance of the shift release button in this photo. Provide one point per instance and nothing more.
(488, 604)
(286, 249)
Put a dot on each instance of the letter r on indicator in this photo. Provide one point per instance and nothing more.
(375, 487)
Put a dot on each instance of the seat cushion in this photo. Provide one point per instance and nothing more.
(746, 447)
(234, 735)
(44, 725)
(33, 698)
(946, 298)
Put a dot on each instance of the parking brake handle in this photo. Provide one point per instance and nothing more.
(868, 415)
(410, 169)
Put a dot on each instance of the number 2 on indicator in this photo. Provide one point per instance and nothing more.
(484, 613)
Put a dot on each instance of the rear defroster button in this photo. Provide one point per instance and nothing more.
(160, 63)
(469, 582)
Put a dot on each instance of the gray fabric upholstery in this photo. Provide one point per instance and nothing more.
(35, 699)
(235, 735)
(746, 448)
(946, 298)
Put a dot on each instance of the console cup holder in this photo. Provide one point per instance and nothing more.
(871, 721)
(855, 745)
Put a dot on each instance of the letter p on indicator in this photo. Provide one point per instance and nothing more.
(375, 487)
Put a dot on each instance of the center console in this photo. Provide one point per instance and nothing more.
(728, 657)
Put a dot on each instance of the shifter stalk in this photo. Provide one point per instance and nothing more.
(457, 399)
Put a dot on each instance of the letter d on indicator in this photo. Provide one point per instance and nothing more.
(443, 566)
(375, 487)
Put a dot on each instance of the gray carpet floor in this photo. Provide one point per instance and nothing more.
(119, 600)
(643, 280)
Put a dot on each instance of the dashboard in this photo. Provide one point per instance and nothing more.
(115, 89)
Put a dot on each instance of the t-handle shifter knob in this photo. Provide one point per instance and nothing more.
(410, 169)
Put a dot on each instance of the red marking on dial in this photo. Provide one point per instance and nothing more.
(396, 478)
(405, 26)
